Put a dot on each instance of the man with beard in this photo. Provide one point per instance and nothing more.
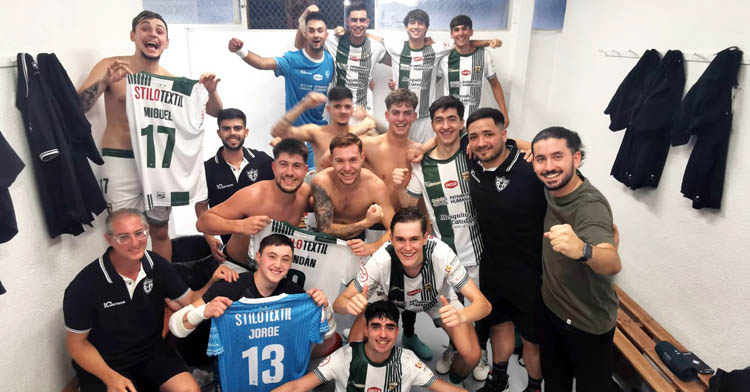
(375, 364)
(510, 208)
(231, 169)
(339, 107)
(247, 211)
(579, 253)
(348, 199)
(119, 177)
(304, 70)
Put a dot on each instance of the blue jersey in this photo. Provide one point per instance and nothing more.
(303, 75)
(263, 343)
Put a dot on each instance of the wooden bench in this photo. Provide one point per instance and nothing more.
(636, 336)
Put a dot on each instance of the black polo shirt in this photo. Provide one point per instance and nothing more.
(222, 183)
(510, 206)
(124, 330)
(244, 287)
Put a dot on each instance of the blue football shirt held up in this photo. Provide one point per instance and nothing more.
(302, 74)
(263, 343)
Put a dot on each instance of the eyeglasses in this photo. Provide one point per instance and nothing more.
(126, 238)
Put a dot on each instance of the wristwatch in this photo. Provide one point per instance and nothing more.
(587, 252)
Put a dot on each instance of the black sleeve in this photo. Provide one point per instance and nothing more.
(231, 290)
(77, 311)
(33, 101)
(209, 183)
(175, 287)
(10, 162)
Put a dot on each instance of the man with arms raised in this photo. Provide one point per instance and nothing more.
(510, 206)
(232, 168)
(285, 198)
(421, 274)
(374, 364)
(305, 70)
(348, 198)
(339, 107)
(579, 253)
(354, 54)
(119, 178)
(114, 314)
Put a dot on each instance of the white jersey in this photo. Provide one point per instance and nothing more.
(320, 260)
(166, 117)
(416, 70)
(444, 186)
(464, 74)
(350, 367)
(354, 66)
(441, 273)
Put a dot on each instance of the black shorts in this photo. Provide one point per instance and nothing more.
(162, 364)
(526, 321)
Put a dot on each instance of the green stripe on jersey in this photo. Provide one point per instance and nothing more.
(454, 73)
(357, 368)
(180, 198)
(342, 59)
(405, 66)
(438, 199)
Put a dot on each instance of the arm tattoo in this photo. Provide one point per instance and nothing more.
(323, 207)
(324, 215)
(88, 97)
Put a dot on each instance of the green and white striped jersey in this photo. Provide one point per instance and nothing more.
(354, 66)
(464, 76)
(444, 186)
(353, 371)
(416, 70)
(165, 116)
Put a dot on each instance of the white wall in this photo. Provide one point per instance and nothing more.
(685, 267)
(35, 269)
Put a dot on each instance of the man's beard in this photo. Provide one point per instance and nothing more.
(562, 183)
(151, 58)
(230, 148)
(500, 152)
(278, 185)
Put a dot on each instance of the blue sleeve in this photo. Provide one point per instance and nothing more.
(318, 323)
(284, 64)
(215, 347)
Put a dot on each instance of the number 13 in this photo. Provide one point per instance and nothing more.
(252, 363)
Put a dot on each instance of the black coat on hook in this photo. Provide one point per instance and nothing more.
(707, 113)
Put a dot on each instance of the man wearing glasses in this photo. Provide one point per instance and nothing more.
(114, 313)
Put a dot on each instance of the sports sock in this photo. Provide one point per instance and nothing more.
(534, 384)
(500, 369)
(408, 319)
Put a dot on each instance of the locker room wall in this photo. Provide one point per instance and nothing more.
(36, 269)
(686, 267)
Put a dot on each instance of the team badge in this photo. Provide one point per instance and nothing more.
(465, 175)
(148, 285)
(477, 68)
(419, 365)
(252, 174)
(448, 268)
(501, 183)
(393, 386)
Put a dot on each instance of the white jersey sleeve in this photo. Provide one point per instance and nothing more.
(453, 271)
(442, 72)
(335, 366)
(415, 372)
(416, 182)
(489, 66)
(375, 273)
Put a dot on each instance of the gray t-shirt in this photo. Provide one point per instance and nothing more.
(571, 289)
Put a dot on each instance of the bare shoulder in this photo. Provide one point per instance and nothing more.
(323, 178)
(373, 181)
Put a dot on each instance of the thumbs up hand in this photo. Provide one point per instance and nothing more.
(449, 315)
(357, 303)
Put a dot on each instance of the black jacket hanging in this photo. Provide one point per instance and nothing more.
(644, 148)
(707, 113)
(630, 92)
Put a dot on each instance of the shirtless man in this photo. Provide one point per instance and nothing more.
(249, 210)
(120, 182)
(339, 106)
(348, 199)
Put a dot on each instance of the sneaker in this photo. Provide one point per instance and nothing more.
(346, 334)
(495, 384)
(482, 369)
(521, 361)
(443, 364)
(414, 344)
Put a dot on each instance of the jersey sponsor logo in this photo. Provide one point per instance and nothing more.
(418, 58)
(439, 201)
(148, 285)
(224, 186)
(318, 77)
(501, 183)
(158, 95)
(473, 174)
(110, 304)
(432, 183)
(303, 72)
(252, 174)
(374, 389)
(466, 72)
(451, 184)
(354, 58)
(161, 195)
(414, 292)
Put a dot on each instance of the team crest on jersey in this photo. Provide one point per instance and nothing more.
(148, 285)
(448, 268)
(427, 286)
(419, 364)
(252, 174)
(477, 68)
(501, 183)
(393, 386)
(465, 175)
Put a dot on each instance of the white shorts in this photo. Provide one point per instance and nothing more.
(121, 185)
(421, 130)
